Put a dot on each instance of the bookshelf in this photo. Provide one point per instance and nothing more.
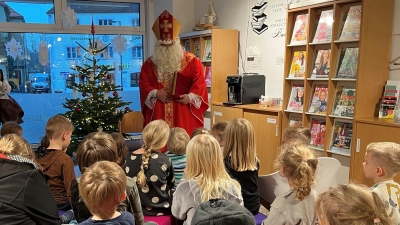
(223, 62)
(374, 45)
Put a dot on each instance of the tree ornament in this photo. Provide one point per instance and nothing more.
(82, 77)
(91, 76)
(75, 93)
(92, 30)
(115, 94)
(78, 109)
(127, 109)
(106, 94)
(69, 106)
(108, 76)
(84, 94)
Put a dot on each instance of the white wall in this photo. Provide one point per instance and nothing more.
(395, 75)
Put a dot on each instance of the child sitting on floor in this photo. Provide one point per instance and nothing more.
(218, 131)
(11, 127)
(176, 144)
(200, 130)
(296, 134)
(122, 149)
(102, 187)
(297, 163)
(382, 164)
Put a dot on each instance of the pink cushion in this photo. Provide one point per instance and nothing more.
(161, 220)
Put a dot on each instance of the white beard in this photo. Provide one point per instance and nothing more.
(167, 58)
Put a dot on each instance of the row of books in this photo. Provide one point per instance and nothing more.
(343, 105)
(197, 49)
(349, 26)
(389, 99)
(341, 133)
(347, 63)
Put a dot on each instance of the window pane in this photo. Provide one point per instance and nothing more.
(106, 13)
(23, 12)
(34, 84)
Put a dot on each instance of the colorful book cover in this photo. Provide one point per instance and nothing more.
(187, 45)
(321, 65)
(197, 48)
(296, 99)
(344, 102)
(207, 50)
(317, 129)
(298, 68)
(324, 29)
(319, 101)
(207, 75)
(341, 136)
(299, 35)
(352, 22)
(295, 120)
(348, 62)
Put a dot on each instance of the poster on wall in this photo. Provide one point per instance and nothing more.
(259, 17)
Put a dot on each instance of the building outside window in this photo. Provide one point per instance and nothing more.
(137, 52)
(34, 37)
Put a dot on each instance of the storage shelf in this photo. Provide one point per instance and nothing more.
(341, 117)
(297, 45)
(294, 78)
(315, 114)
(293, 111)
(346, 41)
(320, 43)
(344, 79)
(315, 148)
(340, 153)
(206, 61)
(314, 78)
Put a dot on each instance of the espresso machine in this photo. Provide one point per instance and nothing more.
(244, 89)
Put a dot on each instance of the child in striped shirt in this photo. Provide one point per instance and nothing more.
(177, 142)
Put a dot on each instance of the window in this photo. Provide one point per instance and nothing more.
(135, 22)
(110, 52)
(137, 52)
(105, 22)
(73, 53)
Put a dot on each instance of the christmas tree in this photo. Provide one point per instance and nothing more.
(95, 110)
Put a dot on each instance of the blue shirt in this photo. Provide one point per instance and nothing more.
(126, 218)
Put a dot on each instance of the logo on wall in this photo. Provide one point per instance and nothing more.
(259, 17)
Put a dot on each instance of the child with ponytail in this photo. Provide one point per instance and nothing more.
(153, 172)
(351, 204)
(298, 164)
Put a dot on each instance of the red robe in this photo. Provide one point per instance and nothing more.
(175, 114)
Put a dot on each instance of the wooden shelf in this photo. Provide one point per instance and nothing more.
(314, 78)
(297, 45)
(320, 43)
(344, 79)
(379, 121)
(346, 41)
(294, 78)
(315, 114)
(340, 153)
(341, 117)
(293, 111)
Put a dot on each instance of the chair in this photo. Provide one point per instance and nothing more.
(270, 186)
(132, 122)
(326, 173)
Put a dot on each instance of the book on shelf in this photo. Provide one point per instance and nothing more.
(351, 21)
(197, 48)
(296, 99)
(392, 88)
(299, 34)
(319, 101)
(187, 45)
(344, 101)
(324, 28)
(389, 99)
(317, 129)
(348, 62)
(321, 64)
(341, 136)
(207, 50)
(295, 120)
(207, 74)
(298, 67)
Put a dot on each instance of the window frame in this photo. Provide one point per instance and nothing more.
(71, 50)
(135, 49)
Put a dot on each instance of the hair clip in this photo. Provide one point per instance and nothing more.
(377, 220)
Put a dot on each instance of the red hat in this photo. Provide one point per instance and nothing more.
(166, 27)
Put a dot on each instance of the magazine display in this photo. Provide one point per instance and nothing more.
(324, 29)
(298, 67)
(341, 137)
(296, 98)
(208, 75)
(197, 48)
(348, 62)
(344, 102)
(299, 35)
(295, 120)
(352, 22)
(321, 65)
(317, 129)
(207, 50)
(319, 101)
(187, 45)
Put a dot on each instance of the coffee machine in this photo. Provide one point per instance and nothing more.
(244, 89)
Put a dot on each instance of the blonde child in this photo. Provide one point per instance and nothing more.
(382, 164)
(100, 146)
(25, 196)
(296, 134)
(206, 179)
(55, 163)
(241, 161)
(11, 127)
(200, 130)
(176, 144)
(298, 164)
(351, 204)
(218, 131)
(102, 187)
(122, 149)
(153, 171)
